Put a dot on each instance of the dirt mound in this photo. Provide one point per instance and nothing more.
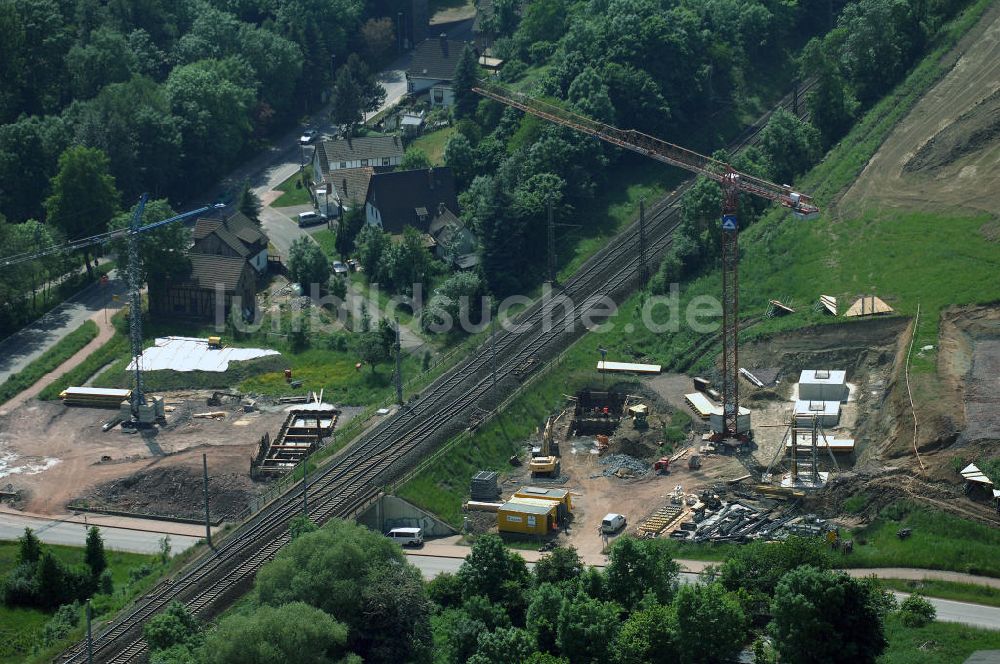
(175, 491)
(969, 133)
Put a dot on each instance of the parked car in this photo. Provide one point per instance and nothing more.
(310, 218)
(308, 136)
(612, 523)
(407, 536)
(339, 268)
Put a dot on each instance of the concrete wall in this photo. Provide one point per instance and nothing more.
(391, 512)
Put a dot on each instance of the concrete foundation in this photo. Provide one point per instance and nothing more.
(390, 512)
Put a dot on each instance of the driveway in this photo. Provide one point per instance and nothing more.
(21, 348)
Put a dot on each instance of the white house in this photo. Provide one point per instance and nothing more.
(368, 152)
(433, 68)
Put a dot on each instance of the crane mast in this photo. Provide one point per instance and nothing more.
(732, 182)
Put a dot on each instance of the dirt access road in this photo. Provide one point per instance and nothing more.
(945, 155)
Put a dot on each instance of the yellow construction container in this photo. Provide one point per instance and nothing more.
(558, 495)
(526, 519)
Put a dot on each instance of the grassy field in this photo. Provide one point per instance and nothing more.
(937, 643)
(326, 239)
(293, 192)
(64, 349)
(20, 627)
(939, 541)
(959, 592)
(432, 144)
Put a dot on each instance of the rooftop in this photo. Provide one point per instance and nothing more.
(436, 58)
(524, 508)
(350, 184)
(397, 196)
(208, 270)
(823, 377)
(355, 149)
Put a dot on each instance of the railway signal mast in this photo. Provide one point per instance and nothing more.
(733, 183)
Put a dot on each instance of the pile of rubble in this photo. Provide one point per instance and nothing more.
(738, 521)
(623, 465)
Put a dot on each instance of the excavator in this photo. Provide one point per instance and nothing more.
(544, 462)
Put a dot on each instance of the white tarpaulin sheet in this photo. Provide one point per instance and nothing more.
(193, 354)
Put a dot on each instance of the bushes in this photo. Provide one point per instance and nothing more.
(48, 361)
(104, 355)
(915, 611)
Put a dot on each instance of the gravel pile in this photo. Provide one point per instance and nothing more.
(616, 462)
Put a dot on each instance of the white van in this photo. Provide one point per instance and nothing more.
(407, 536)
(612, 523)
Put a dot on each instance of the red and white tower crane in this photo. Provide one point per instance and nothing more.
(733, 183)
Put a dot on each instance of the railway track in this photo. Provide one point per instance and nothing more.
(353, 478)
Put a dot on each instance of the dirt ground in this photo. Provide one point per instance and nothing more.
(945, 155)
(53, 454)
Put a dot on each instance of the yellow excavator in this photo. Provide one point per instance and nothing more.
(544, 462)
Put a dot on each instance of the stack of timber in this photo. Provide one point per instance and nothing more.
(94, 396)
(484, 487)
(662, 519)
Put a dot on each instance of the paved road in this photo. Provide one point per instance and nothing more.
(74, 533)
(21, 348)
(975, 615)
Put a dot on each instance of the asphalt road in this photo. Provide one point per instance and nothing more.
(975, 615)
(75, 534)
(24, 346)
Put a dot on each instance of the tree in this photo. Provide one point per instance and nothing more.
(414, 158)
(492, 571)
(328, 569)
(711, 623)
(636, 567)
(348, 227)
(791, 145)
(397, 616)
(250, 204)
(94, 555)
(562, 564)
(445, 590)
(379, 37)
(589, 94)
(374, 348)
(647, 637)
(162, 251)
(587, 629)
(916, 611)
(105, 58)
(542, 617)
(810, 604)
(292, 632)
(758, 566)
(345, 107)
(29, 547)
(29, 156)
(52, 582)
(307, 264)
(466, 77)
(460, 158)
(174, 626)
(83, 197)
(404, 264)
(372, 242)
(300, 525)
(456, 636)
(510, 645)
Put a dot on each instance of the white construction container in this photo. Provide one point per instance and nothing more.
(742, 421)
(823, 385)
(827, 412)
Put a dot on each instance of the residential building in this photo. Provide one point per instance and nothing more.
(343, 189)
(433, 68)
(234, 236)
(371, 151)
(409, 198)
(215, 284)
(454, 243)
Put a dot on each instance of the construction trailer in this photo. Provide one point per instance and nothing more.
(823, 385)
(528, 518)
(560, 496)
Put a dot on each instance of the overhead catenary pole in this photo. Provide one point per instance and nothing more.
(138, 397)
(643, 270)
(399, 366)
(493, 340)
(305, 488)
(90, 637)
(208, 519)
(551, 229)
